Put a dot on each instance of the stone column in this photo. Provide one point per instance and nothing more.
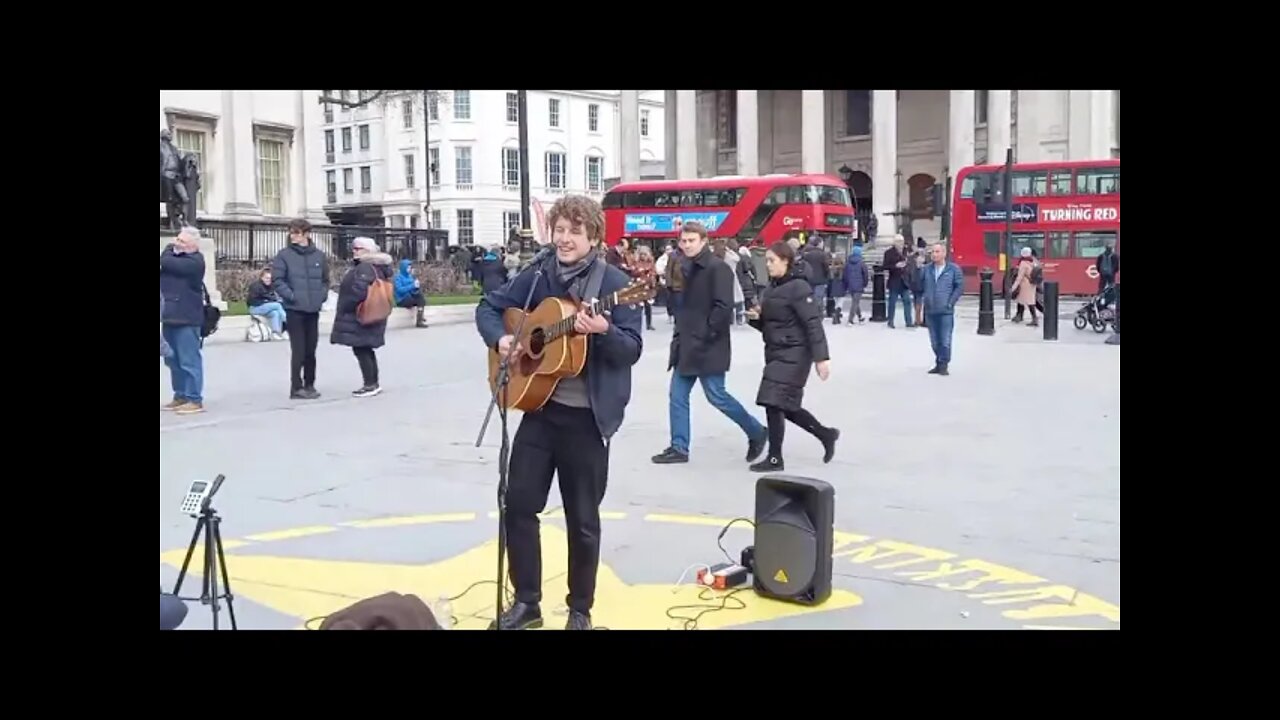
(296, 203)
(312, 131)
(960, 132)
(813, 141)
(669, 130)
(241, 154)
(748, 133)
(686, 134)
(884, 162)
(999, 125)
(629, 132)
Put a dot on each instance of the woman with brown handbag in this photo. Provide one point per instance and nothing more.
(365, 299)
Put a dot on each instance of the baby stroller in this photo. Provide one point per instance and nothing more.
(1098, 312)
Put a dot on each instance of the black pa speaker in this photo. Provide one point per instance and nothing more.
(795, 518)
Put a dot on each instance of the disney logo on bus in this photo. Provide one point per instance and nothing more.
(1022, 212)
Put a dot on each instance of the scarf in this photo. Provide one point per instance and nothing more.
(574, 277)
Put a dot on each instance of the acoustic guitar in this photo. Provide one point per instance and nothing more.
(550, 349)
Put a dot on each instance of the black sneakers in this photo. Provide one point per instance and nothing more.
(578, 621)
(306, 393)
(521, 616)
(769, 464)
(670, 456)
(829, 444)
(756, 446)
(367, 391)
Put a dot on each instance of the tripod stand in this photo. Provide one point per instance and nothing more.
(213, 565)
(504, 451)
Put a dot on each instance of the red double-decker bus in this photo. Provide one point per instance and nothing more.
(752, 210)
(1065, 211)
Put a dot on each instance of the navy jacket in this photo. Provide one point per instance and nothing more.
(300, 275)
(610, 355)
(942, 294)
(181, 286)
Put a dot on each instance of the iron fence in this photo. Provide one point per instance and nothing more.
(258, 242)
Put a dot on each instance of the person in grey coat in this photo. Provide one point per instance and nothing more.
(301, 273)
(370, 264)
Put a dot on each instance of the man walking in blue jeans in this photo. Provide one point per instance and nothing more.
(700, 346)
(943, 285)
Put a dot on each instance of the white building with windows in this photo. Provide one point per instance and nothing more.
(890, 145)
(375, 171)
(258, 150)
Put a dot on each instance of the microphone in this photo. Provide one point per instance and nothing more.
(547, 251)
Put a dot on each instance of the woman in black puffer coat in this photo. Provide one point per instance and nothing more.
(793, 342)
(347, 330)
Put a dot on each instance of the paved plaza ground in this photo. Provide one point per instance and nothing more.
(987, 499)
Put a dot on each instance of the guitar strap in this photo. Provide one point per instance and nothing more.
(595, 278)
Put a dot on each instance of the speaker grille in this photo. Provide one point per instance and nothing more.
(786, 550)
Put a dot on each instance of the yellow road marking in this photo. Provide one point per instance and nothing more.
(559, 513)
(411, 520)
(294, 533)
(1055, 627)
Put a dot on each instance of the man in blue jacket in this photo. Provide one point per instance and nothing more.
(182, 289)
(568, 437)
(943, 286)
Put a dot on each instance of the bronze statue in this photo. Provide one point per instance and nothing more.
(179, 182)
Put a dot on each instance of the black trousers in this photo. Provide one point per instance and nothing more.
(777, 419)
(304, 335)
(368, 364)
(561, 441)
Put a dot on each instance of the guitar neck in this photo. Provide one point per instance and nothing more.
(565, 326)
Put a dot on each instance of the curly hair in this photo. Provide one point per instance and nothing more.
(579, 210)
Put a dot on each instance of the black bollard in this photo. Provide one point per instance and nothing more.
(1115, 337)
(1051, 310)
(1009, 274)
(986, 304)
(877, 294)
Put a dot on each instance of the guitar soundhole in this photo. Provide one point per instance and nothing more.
(537, 341)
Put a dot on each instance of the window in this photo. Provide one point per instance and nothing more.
(709, 198)
(397, 221)
(346, 98)
(727, 119)
(271, 176)
(977, 184)
(1099, 181)
(510, 221)
(348, 181)
(364, 137)
(513, 108)
(980, 106)
(328, 145)
(413, 221)
(192, 141)
(1033, 239)
(553, 112)
(366, 179)
(832, 195)
(466, 228)
(595, 173)
(406, 110)
(408, 172)
(510, 167)
(331, 182)
(857, 113)
(435, 219)
(1059, 244)
(593, 118)
(644, 123)
(1091, 243)
(991, 243)
(328, 107)
(554, 167)
(433, 165)
(462, 166)
(433, 106)
(1060, 182)
(1032, 182)
(346, 139)
(462, 106)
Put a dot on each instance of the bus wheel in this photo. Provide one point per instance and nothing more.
(1081, 322)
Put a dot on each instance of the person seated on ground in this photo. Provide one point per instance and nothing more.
(265, 302)
(409, 292)
(172, 611)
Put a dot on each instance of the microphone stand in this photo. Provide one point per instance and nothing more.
(504, 452)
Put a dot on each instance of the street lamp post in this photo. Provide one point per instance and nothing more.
(426, 155)
(526, 222)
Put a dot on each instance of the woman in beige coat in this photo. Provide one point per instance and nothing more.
(1024, 290)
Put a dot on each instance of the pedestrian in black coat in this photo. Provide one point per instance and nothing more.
(370, 264)
(794, 341)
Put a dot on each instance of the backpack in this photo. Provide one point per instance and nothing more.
(378, 301)
(211, 315)
(1037, 274)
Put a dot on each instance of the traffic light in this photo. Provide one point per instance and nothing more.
(937, 200)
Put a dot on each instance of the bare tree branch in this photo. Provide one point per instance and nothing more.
(381, 97)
